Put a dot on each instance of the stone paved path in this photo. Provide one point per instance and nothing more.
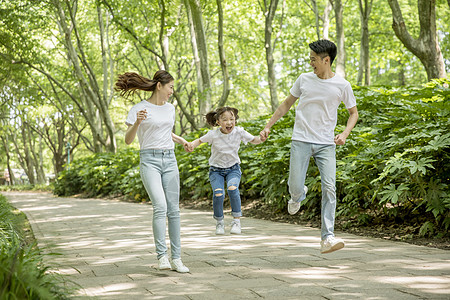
(107, 248)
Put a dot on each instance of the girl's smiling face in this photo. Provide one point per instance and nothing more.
(226, 121)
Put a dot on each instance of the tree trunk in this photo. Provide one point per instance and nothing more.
(269, 13)
(317, 17)
(205, 90)
(37, 159)
(326, 19)
(340, 37)
(5, 142)
(426, 46)
(223, 61)
(364, 58)
(196, 57)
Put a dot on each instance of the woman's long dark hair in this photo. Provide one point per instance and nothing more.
(129, 82)
(213, 116)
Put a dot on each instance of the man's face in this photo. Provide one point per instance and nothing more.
(318, 62)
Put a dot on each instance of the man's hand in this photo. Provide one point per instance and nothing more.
(340, 139)
(264, 134)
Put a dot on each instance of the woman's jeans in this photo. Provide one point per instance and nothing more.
(232, 176)
(160, 175)
(325, 158)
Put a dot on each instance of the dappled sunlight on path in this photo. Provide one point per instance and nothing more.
(107, 248)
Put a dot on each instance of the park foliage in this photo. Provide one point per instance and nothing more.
(23, 274)
(395, 164)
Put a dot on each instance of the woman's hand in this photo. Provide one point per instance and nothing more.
(141, 116)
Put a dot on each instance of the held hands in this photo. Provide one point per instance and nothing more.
(188, 147)
(264, 134)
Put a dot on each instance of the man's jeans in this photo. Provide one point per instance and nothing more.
(161, 179)
(217, 177)
(325, 159)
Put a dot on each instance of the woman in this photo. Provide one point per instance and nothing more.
(153, 120)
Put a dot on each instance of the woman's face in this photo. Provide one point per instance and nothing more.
(226, 121)
(166, 90)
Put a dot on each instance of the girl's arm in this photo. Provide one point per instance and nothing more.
(196, 143)
(257, 140)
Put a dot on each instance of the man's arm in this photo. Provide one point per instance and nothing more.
(257, 140)
(351, 122)
(278, 114)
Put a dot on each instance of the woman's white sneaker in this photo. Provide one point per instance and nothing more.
(178, 266)
(164, 263)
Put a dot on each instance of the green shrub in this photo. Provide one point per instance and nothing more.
(22, 272)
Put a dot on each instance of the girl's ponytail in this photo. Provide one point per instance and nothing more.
(211, 118)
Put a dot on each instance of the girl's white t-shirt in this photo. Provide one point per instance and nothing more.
(155, 132)
(316, 112)
(225, 147)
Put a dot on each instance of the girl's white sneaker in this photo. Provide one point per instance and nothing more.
(235, 227)
(220, 229)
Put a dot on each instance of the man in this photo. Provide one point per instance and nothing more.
(320, 93)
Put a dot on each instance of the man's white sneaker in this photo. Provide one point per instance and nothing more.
(164, 263)
(294, 206)
(178, 266)
(235, 227)
(220, 229)
(331, 244)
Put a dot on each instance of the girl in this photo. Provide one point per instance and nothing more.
(152, 120)
(224, 162)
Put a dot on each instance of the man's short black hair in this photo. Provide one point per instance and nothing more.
(322, 47)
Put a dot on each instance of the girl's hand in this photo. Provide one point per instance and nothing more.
(141, 116)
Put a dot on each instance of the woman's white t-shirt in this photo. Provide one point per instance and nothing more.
(155, 132)
(225, 147)
(316, 112)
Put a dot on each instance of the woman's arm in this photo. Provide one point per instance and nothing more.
(181, 141)
(132, 129)
(178, 139)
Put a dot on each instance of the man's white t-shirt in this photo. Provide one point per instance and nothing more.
(225, 147)
(155, 132)
(316, 112)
